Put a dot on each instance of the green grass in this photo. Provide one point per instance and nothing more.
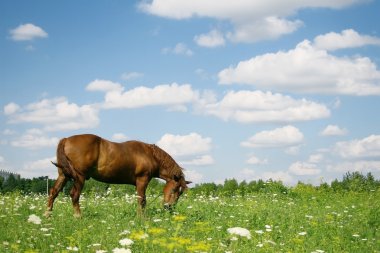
(294, 222)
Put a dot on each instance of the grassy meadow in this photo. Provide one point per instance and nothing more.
(300, 220)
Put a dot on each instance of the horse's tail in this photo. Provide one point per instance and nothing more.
(63, 162)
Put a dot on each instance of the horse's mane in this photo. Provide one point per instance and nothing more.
(166, 162)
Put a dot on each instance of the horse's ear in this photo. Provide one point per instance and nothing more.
(188, 182)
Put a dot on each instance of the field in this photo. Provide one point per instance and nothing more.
(297, 221)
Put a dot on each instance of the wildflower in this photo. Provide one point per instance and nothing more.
(72, 248)
(44, 229)
(121, 250)
(126, 242)
(34, 219)
(259, 232)
(240, 231)
(125, 232)
(302, 233)
(156, 231)
(101, 251)
(356, 235)
(179, 218)
(157, 220)
(140, 235)
(268, 228)
(260, 245)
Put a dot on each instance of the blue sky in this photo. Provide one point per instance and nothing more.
(250, 90)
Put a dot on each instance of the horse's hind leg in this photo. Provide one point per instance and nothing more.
(141, 185)
(75, 194)
(58, 185)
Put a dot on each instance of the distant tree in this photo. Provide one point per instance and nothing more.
(1, 183)
(230, 186)
(11, 184)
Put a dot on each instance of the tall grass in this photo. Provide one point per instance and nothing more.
(296, 221)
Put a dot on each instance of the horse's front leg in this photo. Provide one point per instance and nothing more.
(141, 185)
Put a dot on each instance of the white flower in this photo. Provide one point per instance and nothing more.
(101, 251)
(34, 219)
(259, 232)
(44, 229)
(302, 233)
(126, 242)
(121, 250)
(72, 248)
(125, 232)
(240, 231)
(157, 220)
(356, 235)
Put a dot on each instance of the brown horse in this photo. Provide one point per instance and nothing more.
(81, 157)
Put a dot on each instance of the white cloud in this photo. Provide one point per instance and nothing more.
(303, 169)
(173, 95)
(193, 176)
(251, 20)
(279, 137)
(346, 39)
(11, 108)
(257, 106)
(57, 114)
(119, 137)
(178, 49)
(27, 32)
(38, 168)
(366, 147)
(263, 29)
(184, 145)
(306, 69)
(316, 158)
(361, 166)
(191, 149)
(202, 160)
(1, 159)
(104, 85)
(131, 75)
(256, 161)
(35, 139)
(333, 130)
(212, 39)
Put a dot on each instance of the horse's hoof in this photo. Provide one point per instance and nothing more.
(47, 214)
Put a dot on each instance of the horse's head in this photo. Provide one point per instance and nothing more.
(173, 190)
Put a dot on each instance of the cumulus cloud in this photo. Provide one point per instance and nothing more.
(361, 166)
(257, 106)
(306, 69)
(193, 176)
(359, 148)
(279, 137)
(303, 169)
(55, 114)
(172, 95)
(119, 137)
(131, 75)
(333, 130)
(27, 32)
(38, 168)
(191, 149)
(11, 108)
(212, 39)
(256, 161)
(251, 20)
(34, 139)
(346, 39)
(178, 49)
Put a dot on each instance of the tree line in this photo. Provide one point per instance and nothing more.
(351, 181)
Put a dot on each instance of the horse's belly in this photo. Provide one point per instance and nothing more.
(114, 175)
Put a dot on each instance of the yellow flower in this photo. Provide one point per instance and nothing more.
(179, 218)
(199, 246)
(139, 235)
(181, 240)
(156, 231)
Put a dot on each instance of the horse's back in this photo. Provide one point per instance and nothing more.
(83, 151)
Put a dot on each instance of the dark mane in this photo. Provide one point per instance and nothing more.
(167, 162)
